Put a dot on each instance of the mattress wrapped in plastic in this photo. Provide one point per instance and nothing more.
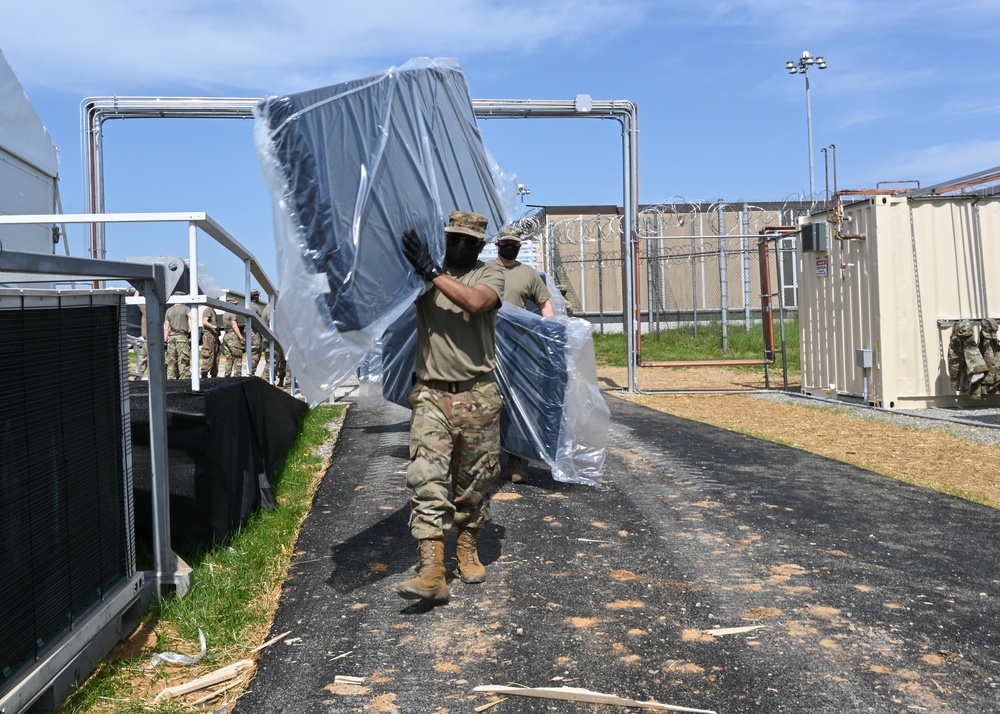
(553, 412)
(350, 167)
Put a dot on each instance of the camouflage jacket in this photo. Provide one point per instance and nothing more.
(966, 366)
(990, 350)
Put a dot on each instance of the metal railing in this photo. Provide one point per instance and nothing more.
(197, 223)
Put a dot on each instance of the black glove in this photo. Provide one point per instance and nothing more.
(419, 256)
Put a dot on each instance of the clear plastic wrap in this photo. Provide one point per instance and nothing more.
(554, 411)
(350, 168)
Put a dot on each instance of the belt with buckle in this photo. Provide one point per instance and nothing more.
(456, 387)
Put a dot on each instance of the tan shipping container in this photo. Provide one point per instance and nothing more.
(878, 306)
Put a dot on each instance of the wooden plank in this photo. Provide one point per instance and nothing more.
(271, 641)
(732, 630)
(220, 675)
(575, 694)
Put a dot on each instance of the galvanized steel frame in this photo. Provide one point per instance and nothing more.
(97, 110)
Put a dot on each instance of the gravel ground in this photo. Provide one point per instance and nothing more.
(979, 424)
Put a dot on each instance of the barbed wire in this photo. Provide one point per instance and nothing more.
(669, 220)
(614, 260)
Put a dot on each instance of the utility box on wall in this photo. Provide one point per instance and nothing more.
(876, 310)
(814, 238)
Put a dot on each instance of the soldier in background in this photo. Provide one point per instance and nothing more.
(280, 366)
(211, 335)
(256, 341)
(562, 291)
(233, 341)
(143, 366)
(522, 284)
(177, 331)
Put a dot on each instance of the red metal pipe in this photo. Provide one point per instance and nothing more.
(708, 363)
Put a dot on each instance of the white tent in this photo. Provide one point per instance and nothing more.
(29, 164)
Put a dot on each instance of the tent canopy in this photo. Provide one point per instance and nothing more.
(22, 133)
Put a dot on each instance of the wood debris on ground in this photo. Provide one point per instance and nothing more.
(347, 679)
(719, 631)
(223, 674)
(271, 641)
(575, 694)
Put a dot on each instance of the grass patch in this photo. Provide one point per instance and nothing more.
(684, 344)
(233, 597)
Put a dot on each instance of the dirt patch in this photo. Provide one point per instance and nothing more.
(929, 457)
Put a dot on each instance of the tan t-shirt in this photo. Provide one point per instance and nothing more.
(177, 318)
(452, 345)
(523, 283)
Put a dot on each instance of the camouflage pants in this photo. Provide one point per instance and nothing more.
(178, 356)
(234, 349)
(209, 354)
(280, 366)
(455, 457)
(256, 351)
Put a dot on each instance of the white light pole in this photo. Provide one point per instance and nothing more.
(802, 67)
(522, 191)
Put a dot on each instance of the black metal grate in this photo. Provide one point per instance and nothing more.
(65, 499)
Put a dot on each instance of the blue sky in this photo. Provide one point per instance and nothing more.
(912, 93)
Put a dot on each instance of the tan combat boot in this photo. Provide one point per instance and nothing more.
(470, 570)
(516, 469)
(429, 582)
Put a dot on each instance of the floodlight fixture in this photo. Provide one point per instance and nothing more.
(522, 191)
(802, 67)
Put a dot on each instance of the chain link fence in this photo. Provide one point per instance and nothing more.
(697, 263)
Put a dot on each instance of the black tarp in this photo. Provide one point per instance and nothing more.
(226, 444)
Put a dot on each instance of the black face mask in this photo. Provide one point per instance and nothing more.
(460, 255)
(508, 252)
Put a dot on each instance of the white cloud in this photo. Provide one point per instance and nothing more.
(265, 44)
(990, 105)
(943, 162)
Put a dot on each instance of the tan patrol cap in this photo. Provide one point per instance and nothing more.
(509, 232)
(471, 224)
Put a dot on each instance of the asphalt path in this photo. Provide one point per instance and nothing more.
(867, 594)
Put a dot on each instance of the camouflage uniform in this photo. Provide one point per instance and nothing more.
(178, 343)
(523, 286)
(210, 345)
(455, 425)
(233, 346)
(464, 426)
(256, 342)
(280, 366)
(562, 291)
(989, 348)
(454, 435)
(966, 367)
(143, 365)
